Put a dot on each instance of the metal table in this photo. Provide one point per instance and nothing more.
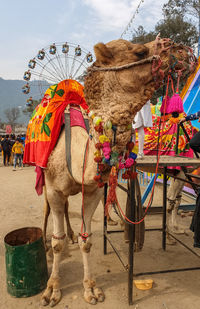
(149, 163)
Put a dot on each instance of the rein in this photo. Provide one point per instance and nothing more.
(125, 66)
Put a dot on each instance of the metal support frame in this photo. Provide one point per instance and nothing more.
(130, 266)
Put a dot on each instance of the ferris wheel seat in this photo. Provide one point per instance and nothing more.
(26, 91)
(89, 58)
(78, 51)
(32, 64)
(41, 55)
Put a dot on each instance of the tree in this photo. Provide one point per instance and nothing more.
(186, 9)
(178, 30)
(12, 114)
(182, 7)
(141, 36)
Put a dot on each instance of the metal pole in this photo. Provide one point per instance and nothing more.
(199, 37)
(105, 220)
(177, 138)
(131, 241)
(164, 208)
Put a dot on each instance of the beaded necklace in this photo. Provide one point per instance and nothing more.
(104, 156)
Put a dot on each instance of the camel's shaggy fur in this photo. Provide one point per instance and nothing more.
(115, 96)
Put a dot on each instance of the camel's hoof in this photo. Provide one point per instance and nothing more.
(91, 300)
(90, 297)
(56, 297)
(45, 301)
(99, 294)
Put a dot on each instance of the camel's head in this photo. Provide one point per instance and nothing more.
(137, 65)
(125, 76)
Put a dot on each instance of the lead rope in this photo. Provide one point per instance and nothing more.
(83, 234)
(127, 220)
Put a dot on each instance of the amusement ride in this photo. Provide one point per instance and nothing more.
(55, 63)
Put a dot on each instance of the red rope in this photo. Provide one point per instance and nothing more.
(156, 173)
(84, 235)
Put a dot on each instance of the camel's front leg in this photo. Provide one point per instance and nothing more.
(52, 293)
(92, 294)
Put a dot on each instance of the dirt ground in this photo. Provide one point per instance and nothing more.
(21, 207)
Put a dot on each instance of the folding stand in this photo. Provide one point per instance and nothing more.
(148, 162)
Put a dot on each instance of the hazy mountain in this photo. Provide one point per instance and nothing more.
(11, 95)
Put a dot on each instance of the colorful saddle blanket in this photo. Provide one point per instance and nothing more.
(45, 124)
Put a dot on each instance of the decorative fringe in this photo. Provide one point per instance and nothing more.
(111, 197)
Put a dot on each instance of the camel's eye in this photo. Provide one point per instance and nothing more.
(142, 54)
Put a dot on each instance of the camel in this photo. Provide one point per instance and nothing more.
(117, 85)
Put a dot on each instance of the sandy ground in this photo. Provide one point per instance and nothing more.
(21, 207)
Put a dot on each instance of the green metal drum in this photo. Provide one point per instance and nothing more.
(26, 264)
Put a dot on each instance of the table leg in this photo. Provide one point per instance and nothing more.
(131, 241)
(164, 208)
(105, 220)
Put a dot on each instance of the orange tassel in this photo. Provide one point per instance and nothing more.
(97, 177)
(100, 184)
(98, 146)
(98, 159)
(112, 197)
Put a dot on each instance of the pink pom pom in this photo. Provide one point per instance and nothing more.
(175, 104)
(121, 165)
(129, 162)
(106, 150)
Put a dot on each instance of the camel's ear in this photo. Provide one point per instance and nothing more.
(141, 50)
(102, 53)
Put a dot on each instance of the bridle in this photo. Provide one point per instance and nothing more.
(157, 72)
(125, 66)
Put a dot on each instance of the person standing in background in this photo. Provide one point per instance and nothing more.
(18, 150)
(143, 119)
(6, 147)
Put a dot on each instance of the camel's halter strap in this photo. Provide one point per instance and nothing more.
(68, 137)
(125, 66)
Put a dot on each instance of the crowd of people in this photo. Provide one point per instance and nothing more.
(12, 149)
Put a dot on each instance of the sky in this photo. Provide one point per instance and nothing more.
(27, 26)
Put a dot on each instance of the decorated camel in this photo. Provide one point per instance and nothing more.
(117, 85)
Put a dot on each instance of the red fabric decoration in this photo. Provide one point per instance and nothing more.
(133, 175)
(101, 167)
(101, 184)
(130, 146)
(97, 177)
(112, 197)
(99, 128)
(98, 146)
(98, 159)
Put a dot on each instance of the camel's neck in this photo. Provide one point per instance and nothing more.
(115, 104)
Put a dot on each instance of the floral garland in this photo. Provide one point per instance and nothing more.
(105, 156)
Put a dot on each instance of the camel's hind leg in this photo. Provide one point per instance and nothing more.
(92, 294)
(52, 294)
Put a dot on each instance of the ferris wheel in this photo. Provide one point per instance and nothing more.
(55, 63)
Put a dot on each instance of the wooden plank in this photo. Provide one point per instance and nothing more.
(165, 161)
